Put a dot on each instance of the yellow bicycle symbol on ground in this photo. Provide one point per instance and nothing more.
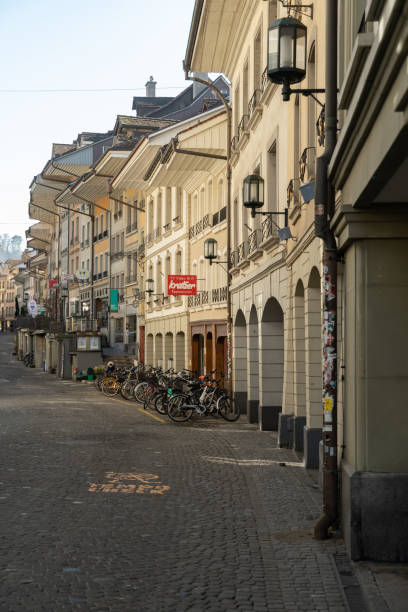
(125, 483)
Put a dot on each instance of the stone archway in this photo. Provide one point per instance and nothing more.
(168, 351)
(253, 366)
(313, 346)
(240, 361)
(299, 420)
(208, 352)
(158, 350)
(180, 351)
(271, 358)
(149, 349)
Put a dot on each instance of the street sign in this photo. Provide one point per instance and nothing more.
(82, 274)
(181, 284)
(114, 300)
(52, 283)
(32, 308)
(67, 277)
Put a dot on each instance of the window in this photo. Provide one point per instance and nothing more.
(96, 265)
(87, 264)
(101, 263)
(245, 90)
(258, 60)
(271, 179)
(179, 196)
(168, 205)
(178, 262)
(76, 263)
(96, 226)
(106, 261)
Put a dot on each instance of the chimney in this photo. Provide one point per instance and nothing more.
(151, 88)
(198, 87)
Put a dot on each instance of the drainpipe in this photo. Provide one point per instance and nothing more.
(324, 209)
(228, 173)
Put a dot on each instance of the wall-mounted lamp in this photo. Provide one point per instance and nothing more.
(287, 45)
(149, 283)
(210, 251)
(253, 198)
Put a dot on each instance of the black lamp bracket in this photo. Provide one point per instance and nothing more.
(302, 7)
(287, 91)
(269, 214)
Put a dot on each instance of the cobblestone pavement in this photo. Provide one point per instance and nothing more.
(105, 508)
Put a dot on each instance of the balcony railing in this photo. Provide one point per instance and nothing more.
(307, 163)
(241, 252)
(269, 229)
(177, 220)
(167, 227)
(206, 221)
(264, 80)
(254, 101)
(204, 297)
(157, 232)
(141, 251)
(234, 143)
(219, 295)
(242, 126)
(128, 229)
(149, 237)
(105, 274)
(253, 241)
(320, 127)
(191, 232)
(199, 227)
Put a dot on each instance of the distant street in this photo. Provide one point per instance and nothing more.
(104, 507)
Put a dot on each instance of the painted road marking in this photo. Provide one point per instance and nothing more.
(141, 410)
(146, 483)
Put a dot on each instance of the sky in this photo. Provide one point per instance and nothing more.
(84, 44)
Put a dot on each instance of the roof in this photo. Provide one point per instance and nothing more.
(152, 102)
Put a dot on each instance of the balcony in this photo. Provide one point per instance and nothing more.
(206, 221)
(95, 277)
(191, 232)
(269, 232)
(253, 244)
(167, 227)
(105, 274)
(320, 127)
(242, 131)
(100, 236)
(149, 237)
(105, 233)
(177, 220)
(254, 108)
(141, 251)
(86, 243)
(99, 275)
(219, 295)
(157, 233)
(307, 164)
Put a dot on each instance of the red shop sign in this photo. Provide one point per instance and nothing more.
(52, 283)
(181, 284)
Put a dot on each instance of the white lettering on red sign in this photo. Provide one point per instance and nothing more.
(181, 284)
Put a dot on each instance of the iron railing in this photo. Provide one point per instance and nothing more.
(191, 232)
(320, 127)
(253, 240)
(206, 221)
(254, 101)
(204, 297)
(240, 252)
(199, 227)
(219, 295)
(264, 80)
(242, 126)
(269, 229)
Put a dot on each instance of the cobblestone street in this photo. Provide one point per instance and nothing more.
(107, 507)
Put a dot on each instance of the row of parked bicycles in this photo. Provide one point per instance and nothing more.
(180, 395)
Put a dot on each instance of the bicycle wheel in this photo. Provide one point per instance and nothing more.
(228, 408)
(139, 391)
(127, 390)
(177, 409)
(161, 403)
(110, 387)
(98, 381)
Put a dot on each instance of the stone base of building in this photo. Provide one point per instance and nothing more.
(241, 399)
(298, 424)
(285, 431)
(268, 417)
(252, 411)
(374, 515)
(311, 440)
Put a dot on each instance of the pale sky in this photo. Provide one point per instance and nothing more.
(86, 44)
